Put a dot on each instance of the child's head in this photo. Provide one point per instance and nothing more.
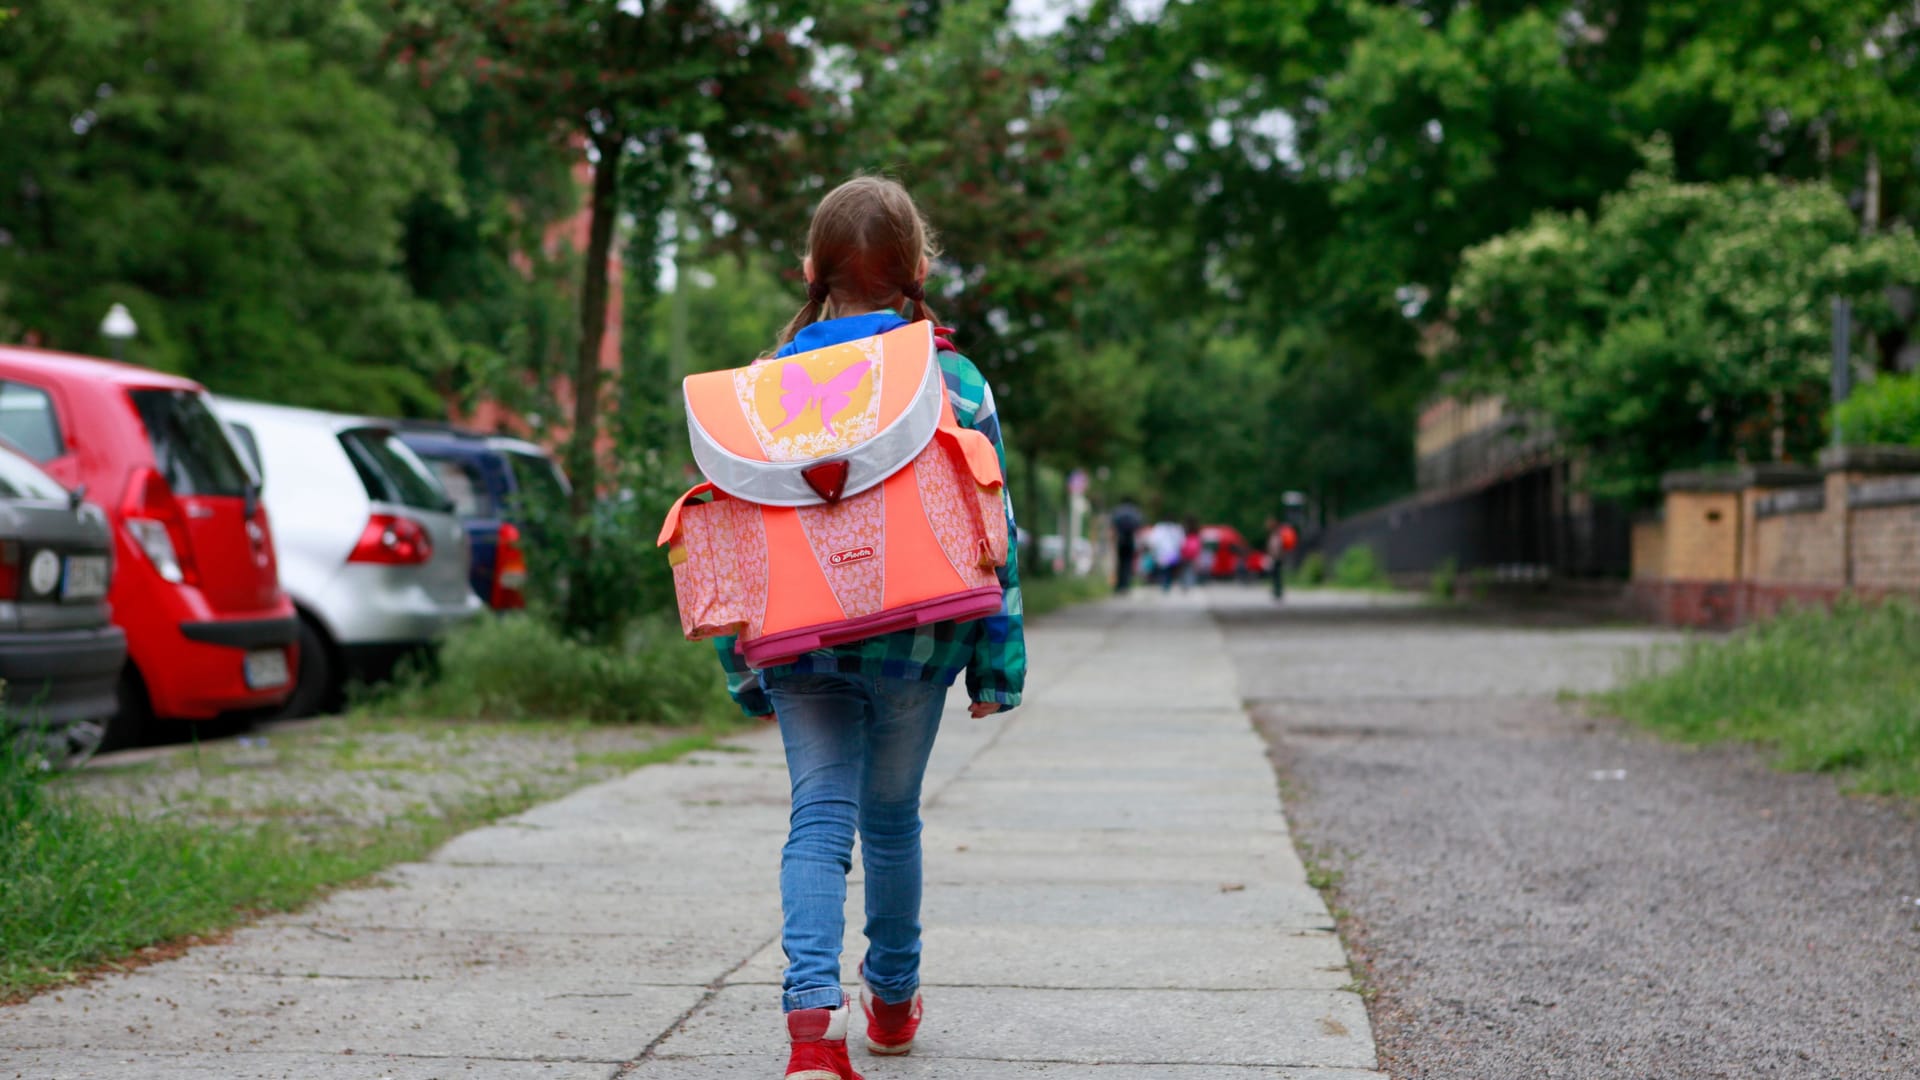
(868, 250)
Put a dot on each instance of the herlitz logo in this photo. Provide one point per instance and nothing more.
(851, 555)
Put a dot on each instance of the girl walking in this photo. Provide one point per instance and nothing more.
(859, 720)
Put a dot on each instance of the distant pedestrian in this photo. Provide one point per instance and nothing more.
(1191, 547)
(1126, 522)
(1282, 538)
(859, 720)
(1163, 545)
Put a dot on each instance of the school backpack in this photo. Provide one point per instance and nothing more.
(846, 501)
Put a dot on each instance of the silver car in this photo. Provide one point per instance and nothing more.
(370, 549)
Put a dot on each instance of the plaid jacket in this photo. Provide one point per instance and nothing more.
(992, 651)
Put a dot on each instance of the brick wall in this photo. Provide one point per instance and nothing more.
(1734, 546)
(1702, 536)
(1886, 547)
(1805, 544)
(1649, 550)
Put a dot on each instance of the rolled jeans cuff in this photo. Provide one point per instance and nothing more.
(823, 997)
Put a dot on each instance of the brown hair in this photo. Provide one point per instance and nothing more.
(866, 243)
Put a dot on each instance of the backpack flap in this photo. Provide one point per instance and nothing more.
(819, 426)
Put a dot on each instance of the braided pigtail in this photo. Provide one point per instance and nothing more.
(809, 313)
(916, 292)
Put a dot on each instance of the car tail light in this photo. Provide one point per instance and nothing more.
(394, 541)
(9, 570)
(509, 570)
(158, 526)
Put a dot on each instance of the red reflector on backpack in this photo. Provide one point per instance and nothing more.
(828, 480)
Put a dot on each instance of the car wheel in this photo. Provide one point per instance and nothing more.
(132, 723)
(315, 689)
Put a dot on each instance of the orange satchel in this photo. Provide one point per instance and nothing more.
(846, 501)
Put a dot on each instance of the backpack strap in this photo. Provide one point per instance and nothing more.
(672, 526)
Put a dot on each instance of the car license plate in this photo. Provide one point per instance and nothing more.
(86, 578)
(266, 668)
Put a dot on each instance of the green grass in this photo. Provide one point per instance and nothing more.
(1311, 572)
(628, 760)
(520, 667)
(1835, 692)
(82, 886)
(95, 867)
(1042, 595)
(1359, 567)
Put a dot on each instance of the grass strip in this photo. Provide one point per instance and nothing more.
(1043, 595)
(85, 886)
(1826, 691)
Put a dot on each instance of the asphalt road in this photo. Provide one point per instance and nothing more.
(1536, 892)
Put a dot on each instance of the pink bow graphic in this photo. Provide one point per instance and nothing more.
(798, 392)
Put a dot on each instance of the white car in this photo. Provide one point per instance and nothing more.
(370, 549)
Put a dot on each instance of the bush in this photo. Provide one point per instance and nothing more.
(1829, 691)
(1312, 570)
(1445, 577)
(521, 667)
(1885, 411)
(1359, 568)
(626, 576)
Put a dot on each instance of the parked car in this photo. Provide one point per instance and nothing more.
(196, 586)
(371, 552)
(60, 653)
(492, 480)
(1226, 554)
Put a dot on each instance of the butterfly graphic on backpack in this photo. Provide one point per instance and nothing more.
(798, 393)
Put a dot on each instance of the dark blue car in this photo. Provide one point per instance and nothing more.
(492, 479)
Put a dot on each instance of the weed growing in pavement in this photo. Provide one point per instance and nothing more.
(519, 667)
(1828, 691)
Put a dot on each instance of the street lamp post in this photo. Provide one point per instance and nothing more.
(119, 328)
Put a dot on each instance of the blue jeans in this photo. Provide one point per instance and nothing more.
(857, 749)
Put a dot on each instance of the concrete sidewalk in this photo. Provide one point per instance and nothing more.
(1111, 893)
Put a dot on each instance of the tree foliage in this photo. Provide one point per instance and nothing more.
(238, 176)
(1683, 324)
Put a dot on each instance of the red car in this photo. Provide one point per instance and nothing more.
(195, 583)
(1226, 554)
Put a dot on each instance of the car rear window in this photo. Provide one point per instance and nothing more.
(27, 420)
(537, 479)
(190, 446)
(22, 479)
(391, 472)
(465, 485)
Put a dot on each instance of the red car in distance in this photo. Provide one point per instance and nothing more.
(195, 584)
(1224, 553)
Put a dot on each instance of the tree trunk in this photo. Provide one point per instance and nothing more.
(583, 460)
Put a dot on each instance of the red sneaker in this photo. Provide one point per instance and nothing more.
(819, 1045)
(890, 1028)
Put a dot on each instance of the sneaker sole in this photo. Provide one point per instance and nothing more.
(815, 1074)
(888, 1051)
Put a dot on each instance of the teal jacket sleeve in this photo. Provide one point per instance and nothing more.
(743, 683)
(997, 671)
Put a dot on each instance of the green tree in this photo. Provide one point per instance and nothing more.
(1684, 324)
(638, 87)
(236, 178)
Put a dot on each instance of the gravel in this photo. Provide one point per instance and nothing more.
(1533, 891)
(355, 774)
